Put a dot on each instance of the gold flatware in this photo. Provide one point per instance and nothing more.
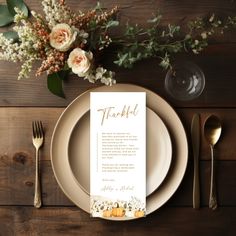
(195, 134)
(38, 137)
(212, 130)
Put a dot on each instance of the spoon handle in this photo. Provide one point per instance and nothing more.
(213, 199)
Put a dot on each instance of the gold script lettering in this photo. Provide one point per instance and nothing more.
(126, 112)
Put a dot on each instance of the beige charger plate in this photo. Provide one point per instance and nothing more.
(68, 120)
(159, 151)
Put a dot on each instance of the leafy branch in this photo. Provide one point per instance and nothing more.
(162, 43)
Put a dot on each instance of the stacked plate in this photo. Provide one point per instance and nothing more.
(167, 149)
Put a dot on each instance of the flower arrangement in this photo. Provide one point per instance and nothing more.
(63, 41)
(68, 42)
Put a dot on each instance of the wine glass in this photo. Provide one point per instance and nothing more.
(185, 81)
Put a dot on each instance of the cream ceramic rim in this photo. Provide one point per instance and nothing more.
(60, 162)
(159, 151)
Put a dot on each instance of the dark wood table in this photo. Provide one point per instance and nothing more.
(27, 100)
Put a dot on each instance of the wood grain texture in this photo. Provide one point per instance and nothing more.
(176, 12)
(27, 100)
(217, 62)
(18, 178)
(166, 221)
(137, 11)
(16, 130)
(17, 183)
(219, 72)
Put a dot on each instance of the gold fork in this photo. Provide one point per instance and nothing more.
(38, 137)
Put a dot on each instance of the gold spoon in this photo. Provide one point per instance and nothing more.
(212, 131)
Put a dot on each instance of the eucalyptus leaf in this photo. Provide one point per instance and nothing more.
(54, 82)
(155, 19)
(11, 4)
(5, 17)
(11, 35)
(112, 23)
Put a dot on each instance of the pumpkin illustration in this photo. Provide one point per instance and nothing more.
(118, 211)
(107, 213)
(139, 213)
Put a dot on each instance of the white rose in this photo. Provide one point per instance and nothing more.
(62, 37)
(80, 62)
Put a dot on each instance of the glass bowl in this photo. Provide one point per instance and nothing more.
(185, 81)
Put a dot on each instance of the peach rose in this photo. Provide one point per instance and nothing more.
(80, 62)
(62, 37)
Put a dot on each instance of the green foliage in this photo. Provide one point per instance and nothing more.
(11, 35)
(5, 17)
(163, 42)
(7, 14)
(55, 83)
(99, 31)
(11, 4)
(112, 23)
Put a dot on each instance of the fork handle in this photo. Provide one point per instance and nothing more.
(37, 193)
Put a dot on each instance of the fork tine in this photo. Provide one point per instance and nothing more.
(41, 128)
(38, 129)
(33, 128)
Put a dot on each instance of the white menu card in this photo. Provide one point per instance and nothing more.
(118, 154)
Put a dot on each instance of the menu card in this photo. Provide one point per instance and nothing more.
(117, 154)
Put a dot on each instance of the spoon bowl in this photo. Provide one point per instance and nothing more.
(212, 131)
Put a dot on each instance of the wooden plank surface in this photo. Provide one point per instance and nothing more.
(17, 163)
(17, 184)
(220, 79)
(176, 12)
(16, 132)
(217, 62)
(167, 221)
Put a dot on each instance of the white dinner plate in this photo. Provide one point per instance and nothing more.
(159, 151)
(68, 120)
